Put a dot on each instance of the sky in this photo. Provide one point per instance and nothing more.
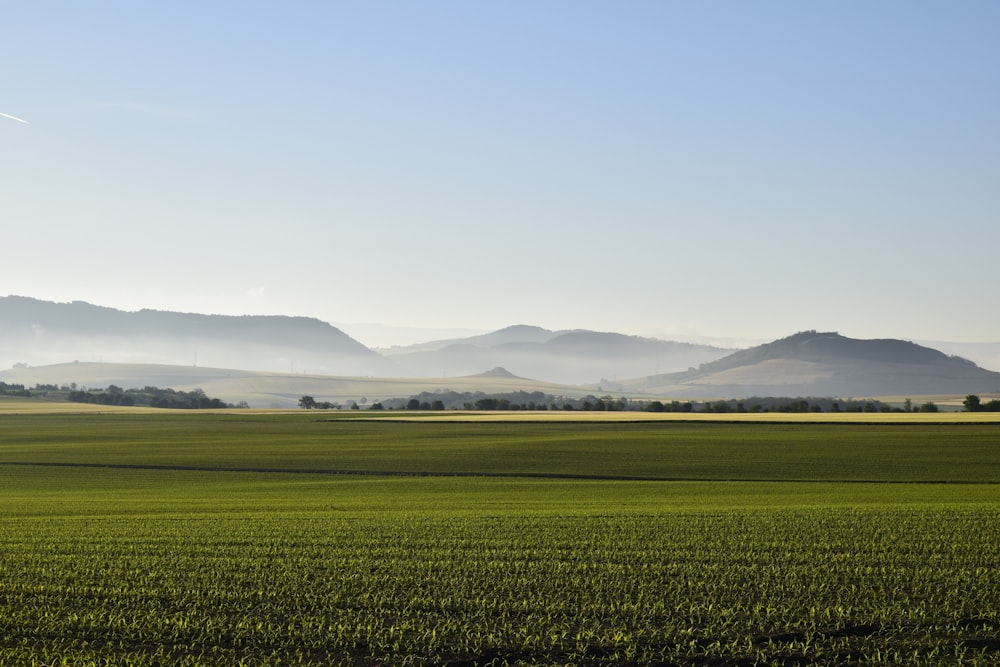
(683, 170)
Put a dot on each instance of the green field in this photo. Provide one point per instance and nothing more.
(162, 539)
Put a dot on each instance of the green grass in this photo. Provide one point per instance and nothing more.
(161, 565)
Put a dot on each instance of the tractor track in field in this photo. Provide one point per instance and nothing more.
(465, 473)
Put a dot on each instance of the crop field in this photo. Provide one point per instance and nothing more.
(227, 539)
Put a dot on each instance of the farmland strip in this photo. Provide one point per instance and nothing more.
(509, 475)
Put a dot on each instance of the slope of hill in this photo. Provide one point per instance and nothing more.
(518, 333)
(986, 355)
(36, 332)
(568, 357)
(825, 364)
(39, 333)
(42, 332)
(272, 390)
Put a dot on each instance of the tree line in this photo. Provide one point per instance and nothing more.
(154, 397)
(973, 403)
(13, 390)
(536, 400)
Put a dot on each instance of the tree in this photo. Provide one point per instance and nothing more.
(929, 406)
(972, 403)
(307, 402)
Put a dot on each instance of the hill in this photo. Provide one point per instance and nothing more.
(567, 357)
(518, 333)
(272, 390)
(814, 363)
(39, 333)
(986, 355)
(35, 332)
(42, 332)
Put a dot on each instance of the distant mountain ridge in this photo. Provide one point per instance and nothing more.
(568, 357)
(518, 333)
(39, 332)
(84, 318)
(830, 347)
(35, 331)
(812, 363)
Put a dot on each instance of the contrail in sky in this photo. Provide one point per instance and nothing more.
(19, 120)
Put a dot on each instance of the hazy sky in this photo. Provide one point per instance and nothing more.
(744, 169)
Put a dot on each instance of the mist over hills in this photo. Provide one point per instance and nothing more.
(567, 357)
(273, 359)
(518, 333)
(986, 355)
(42, 332)
(814, 363)
(38, 332)
(273, 390)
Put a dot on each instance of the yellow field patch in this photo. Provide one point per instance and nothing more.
(23, 406)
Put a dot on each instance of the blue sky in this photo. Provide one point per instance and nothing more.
(673, 169)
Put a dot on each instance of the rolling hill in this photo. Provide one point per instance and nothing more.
(273, 390)
(279, 358)
(814, 363)
(566, 357)
(37, 332)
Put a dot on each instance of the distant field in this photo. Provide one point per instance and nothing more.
(181, 538)
(659, 450)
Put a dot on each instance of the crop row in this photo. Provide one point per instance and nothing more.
(802, 586)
